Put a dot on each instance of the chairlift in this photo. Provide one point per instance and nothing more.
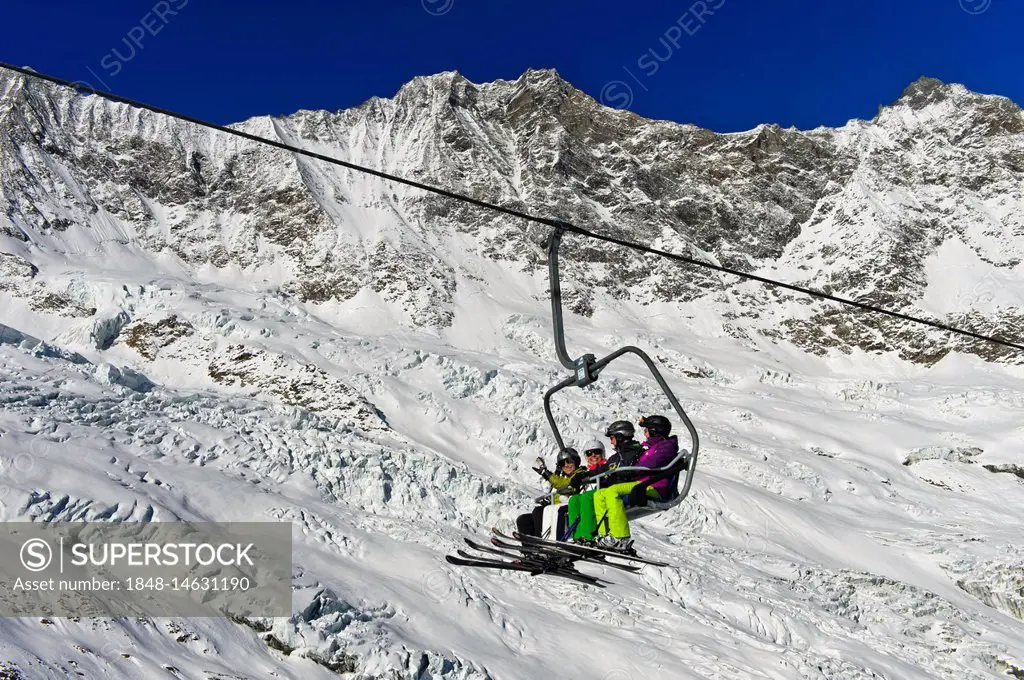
(585, 370)
(536, 555)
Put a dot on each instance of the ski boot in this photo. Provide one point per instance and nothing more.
(618, 545)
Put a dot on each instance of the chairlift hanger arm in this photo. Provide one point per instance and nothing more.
(554, 243)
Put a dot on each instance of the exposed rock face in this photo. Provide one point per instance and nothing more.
(307, 387)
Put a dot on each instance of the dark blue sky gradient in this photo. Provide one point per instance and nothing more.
(797, 62)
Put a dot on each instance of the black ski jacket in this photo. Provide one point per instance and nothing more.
(626, 454)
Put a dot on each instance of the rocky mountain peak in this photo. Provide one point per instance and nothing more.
(967, 114)
(435, 86)
(542, 90)
(546, 84)
(542, 77)
(926, 90)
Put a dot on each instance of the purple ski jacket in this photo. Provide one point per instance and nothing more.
(659, 452)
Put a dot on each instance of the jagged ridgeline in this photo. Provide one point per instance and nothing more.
(884, 211)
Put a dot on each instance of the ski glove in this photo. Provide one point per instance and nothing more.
(542, 468)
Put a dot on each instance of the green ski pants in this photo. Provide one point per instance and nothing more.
(581, 513)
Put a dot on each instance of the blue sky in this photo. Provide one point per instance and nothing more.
(723, 64)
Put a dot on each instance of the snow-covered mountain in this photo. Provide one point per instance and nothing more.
(918, 210)
(195, 326)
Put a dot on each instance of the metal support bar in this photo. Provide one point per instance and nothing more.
(547, 408)
(554, 243)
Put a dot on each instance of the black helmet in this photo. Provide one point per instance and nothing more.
(623, 429)
(568, 453)
(656, 425)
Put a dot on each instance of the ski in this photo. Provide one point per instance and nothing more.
(554, 556)
(525, 548)
(587, 550)
(553, 552)
(467, 560)
(560, 552)
(565, 559)
(583, 551)
(482, 562)
(536, 566)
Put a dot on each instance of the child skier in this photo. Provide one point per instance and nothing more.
(568, 464)
(581, 506)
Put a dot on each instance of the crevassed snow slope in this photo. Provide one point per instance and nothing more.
(842, 522)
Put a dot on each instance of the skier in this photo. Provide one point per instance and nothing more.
(581, 506)
(593, 454)
(568, 464)
(657, 451)
(627, 450)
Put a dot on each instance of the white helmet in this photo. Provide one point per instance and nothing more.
(593, 444)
